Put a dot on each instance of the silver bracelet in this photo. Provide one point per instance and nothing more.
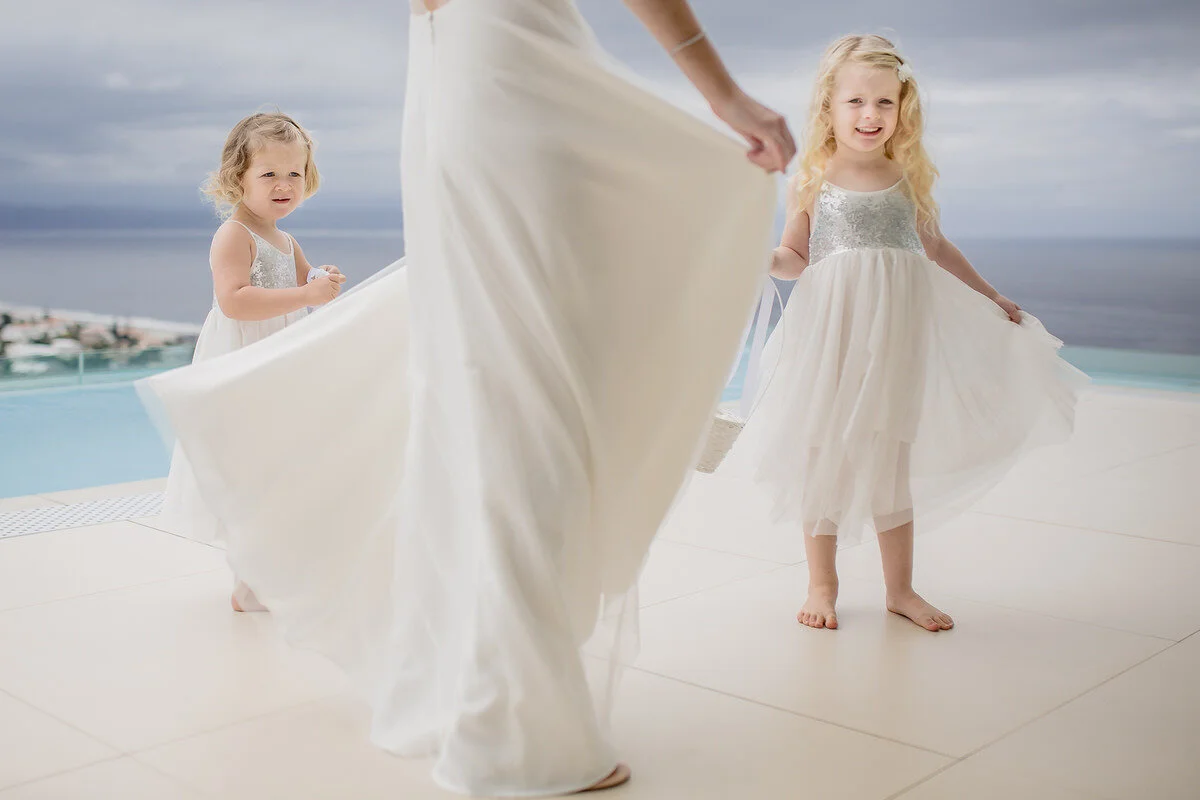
(677, 49)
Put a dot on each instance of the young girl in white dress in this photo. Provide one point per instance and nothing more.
(260, 278)
(899, 384)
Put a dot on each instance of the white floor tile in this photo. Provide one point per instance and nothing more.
(140, 666)
(51, 566)
(730, 516)
(670, 734)
(968, 780)
(9, 504)
(319, 750)
(119, 779)
(34, 744)
(1155, 498)
(685, 742)
(1137, 585)
(1107, 435)
(1135, 737)
(674, 570)
(124, 650)
(948, 692)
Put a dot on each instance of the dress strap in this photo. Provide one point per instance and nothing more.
(254, 237)
(291, 242)
(247, 227)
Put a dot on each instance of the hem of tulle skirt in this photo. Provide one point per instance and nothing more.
(875, 523)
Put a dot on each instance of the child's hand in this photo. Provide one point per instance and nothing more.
(332, 270)
(323, 289)
(1012, 309)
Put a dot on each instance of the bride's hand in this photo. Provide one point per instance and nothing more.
(771, 143)
(1012, 309)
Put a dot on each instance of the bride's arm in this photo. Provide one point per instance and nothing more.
(673, 23)
(676, 28)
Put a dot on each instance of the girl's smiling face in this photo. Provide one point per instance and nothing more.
(273, 185)
(864, 107)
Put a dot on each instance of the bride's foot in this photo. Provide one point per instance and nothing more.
(243, 599)
(818, 610)
(618, 776)
(913, 606)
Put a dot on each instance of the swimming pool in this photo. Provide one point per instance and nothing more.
(72, 438)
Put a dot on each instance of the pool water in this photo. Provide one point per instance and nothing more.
(57, 439)
(72, 438)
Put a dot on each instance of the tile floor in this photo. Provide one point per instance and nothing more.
(1073, 673)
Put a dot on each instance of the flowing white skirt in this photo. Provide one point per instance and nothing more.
(893, 392)
(448, 480)
(184, 511)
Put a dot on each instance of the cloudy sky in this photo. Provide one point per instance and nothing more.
(1047, 117)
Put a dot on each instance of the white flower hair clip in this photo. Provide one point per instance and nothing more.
(904, 72)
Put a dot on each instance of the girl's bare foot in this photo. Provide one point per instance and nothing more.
(618, 776)
(818, 610)
(243, 599)
(913, 606)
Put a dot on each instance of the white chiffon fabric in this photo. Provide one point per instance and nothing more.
(891, 392)
(447, 480)
(184, 511)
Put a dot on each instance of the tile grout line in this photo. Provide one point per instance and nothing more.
(1087, 529)
(1047, 713)
(138, 521)
(60, 773)
(93, 737)
(925, 779)
(227, 725)
(706, 549)
(728, 552)
(141, 585)
(1061, 482)
(771, 571)
(791, 712)
(1146, 457)
(193, 789)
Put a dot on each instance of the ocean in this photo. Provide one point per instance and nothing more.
(1126, 294)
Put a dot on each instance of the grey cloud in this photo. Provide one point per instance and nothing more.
(1036, 108)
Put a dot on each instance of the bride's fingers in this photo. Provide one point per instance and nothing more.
(785, 151)
(766, 153)
(789, 144)
(775, 159)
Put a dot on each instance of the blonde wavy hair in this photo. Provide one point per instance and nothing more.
(224, 186)
(905, 146)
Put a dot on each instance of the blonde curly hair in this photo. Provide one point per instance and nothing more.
(224, 186)
(905, 146)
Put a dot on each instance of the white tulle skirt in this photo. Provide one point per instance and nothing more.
(448, 480)
(184, 511)
(892, 392)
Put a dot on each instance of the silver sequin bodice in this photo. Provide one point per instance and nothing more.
(846, 220)
(272, 268)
